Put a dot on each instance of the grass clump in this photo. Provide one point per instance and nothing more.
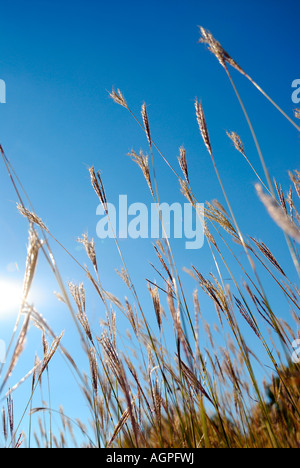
(200, 389)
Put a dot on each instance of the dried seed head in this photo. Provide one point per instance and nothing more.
(196, 302)
(280, 195)
(267, 253)
(246, 316)
(45, 344)
(78, 294)
(215, 47)
(99, 188)
(234, 137)
(32, 217)
(59, 297)
(295, 178)
(219, 206)
(156, 303)
(114, 362)
(118, 98)
(124, 276)
(4, 426)
(143, 162)
(297, 113)
(185, 190)
(163, 263)
(132, 316)
(89, 248)
(183, 163)
(170, 300)
(122, 421)
(52, 351)
(146, 123)
(210, 237)
(279, 215)
(202, 125)
(74, 290)
(215, 292)
(82, 295)
(192, 379)
(93, 369)
(33, 248)
(10, 411)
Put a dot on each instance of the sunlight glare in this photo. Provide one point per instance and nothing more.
(10, 296)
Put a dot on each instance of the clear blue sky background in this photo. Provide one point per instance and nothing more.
(59, 59)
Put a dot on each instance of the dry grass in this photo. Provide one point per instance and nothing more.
(199, 388)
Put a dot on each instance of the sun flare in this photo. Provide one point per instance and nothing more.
(10, 296)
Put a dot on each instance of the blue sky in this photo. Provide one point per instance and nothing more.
(59, 59)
